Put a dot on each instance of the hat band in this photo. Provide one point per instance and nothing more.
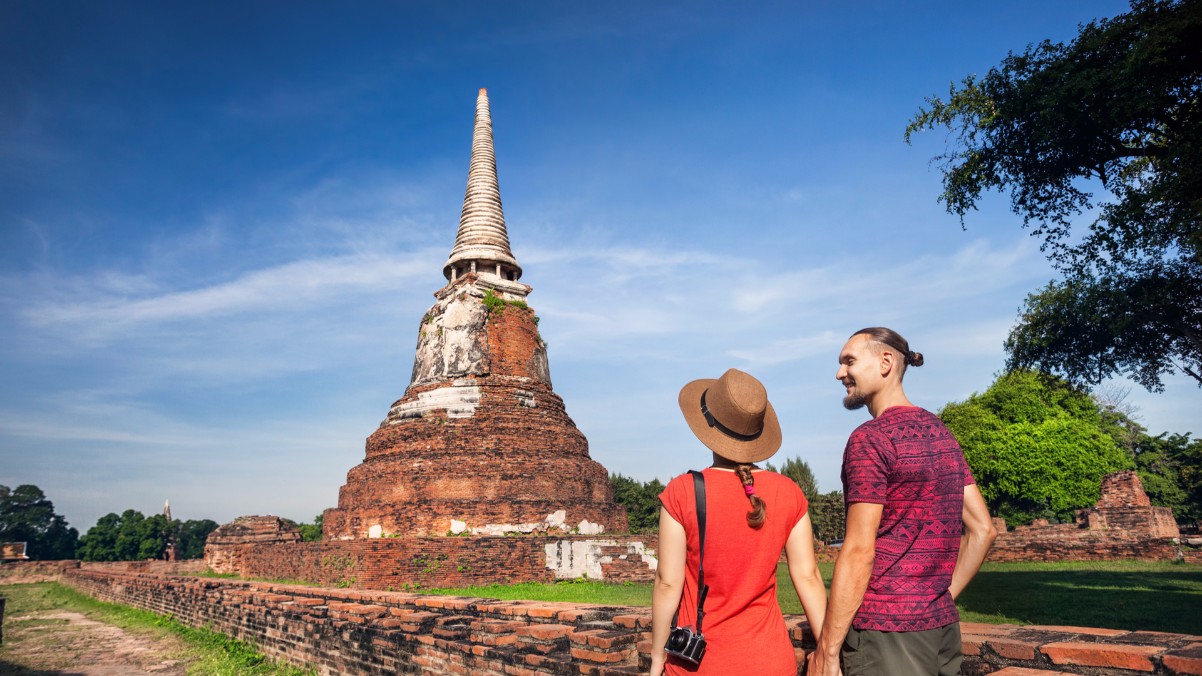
(713, 422)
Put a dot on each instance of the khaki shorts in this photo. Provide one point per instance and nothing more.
(934, 652)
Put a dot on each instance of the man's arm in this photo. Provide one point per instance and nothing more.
(976, 540)
(853, 568)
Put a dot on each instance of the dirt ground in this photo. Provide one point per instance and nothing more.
(66, 643)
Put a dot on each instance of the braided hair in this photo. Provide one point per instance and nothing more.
(755, 518)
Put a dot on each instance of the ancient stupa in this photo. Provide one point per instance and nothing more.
(479, 443)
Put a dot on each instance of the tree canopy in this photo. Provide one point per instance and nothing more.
(799, 471)
(1118, 112)
(1037, 446)
(26, 515)
(827, 511)
(131, 536)
(641, 501)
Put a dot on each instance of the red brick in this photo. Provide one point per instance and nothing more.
(1134, 657)
(1023, 671)
(599, 656)
(970, 644)
(601, 639)
(1013, 649)
(545, 631)
(1187, 660)
(982, 629)
(1090, 631)
(640, 621)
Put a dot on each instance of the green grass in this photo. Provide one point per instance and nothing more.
(571, 591)
(207, 652)
(1153, 596)
(1116, 595)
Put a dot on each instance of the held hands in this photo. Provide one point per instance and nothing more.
(821, 665)
(657, 663)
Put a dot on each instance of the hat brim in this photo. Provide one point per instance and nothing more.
(761, 448)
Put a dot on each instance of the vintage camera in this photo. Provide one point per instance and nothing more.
(687, 645)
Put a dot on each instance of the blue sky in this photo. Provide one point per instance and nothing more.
(221, 223)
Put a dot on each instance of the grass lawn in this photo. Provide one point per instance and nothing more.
(1111, 594)
(33, 643)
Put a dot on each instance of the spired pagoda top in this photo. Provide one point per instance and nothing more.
(482, 243)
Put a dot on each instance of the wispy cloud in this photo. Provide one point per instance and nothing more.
(118, 304)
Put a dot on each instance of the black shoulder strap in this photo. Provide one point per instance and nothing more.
(702, 589)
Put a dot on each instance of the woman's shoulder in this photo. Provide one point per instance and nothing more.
(768, 475)
(678, 484)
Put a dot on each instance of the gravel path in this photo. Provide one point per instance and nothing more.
(65, 643)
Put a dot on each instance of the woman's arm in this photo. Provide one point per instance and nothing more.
(669, 583)
(803, 570)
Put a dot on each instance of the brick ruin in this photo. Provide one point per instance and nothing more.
(1122, 525)
(225, 545)
(479, 443)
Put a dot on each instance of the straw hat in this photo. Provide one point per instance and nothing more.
(732, 416)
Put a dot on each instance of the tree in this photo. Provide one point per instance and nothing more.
(641, 501)
(99, 543)
(1189, 463)
(1118, 108)
(190, 537)
(27, 516)
(828, 513)
(311, 532)
(131, 536)
(801, 474)
(1037, 446)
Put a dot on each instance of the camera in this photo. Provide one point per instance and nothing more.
(684, 644)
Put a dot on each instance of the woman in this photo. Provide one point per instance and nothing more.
(750, 516)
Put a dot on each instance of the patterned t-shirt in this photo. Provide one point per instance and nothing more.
(908, 461)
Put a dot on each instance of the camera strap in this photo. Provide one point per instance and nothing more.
(702, 589)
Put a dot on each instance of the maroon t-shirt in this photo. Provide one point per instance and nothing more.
(908, 461)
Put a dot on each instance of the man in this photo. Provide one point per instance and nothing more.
(917, 527)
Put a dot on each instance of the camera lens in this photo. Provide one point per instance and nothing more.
(677, 640)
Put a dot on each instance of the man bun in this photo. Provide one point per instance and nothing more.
(893, 339)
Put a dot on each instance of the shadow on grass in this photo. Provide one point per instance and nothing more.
(1152, 600)
(11, 669)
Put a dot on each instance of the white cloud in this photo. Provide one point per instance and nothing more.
(790, 349)
(119, 305)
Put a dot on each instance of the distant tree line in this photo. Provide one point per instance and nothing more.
(26, 515)
(130, 536)
(641, 500)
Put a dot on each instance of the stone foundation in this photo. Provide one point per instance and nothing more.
(362, 632)
(426, 562)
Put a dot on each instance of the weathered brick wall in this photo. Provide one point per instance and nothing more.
(425, 562)
(181, 567)
(223, 547)
(22, 572)
(372, 632)
(1122, 525)
(1010, 548)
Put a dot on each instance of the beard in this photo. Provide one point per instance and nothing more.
(854, 401)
